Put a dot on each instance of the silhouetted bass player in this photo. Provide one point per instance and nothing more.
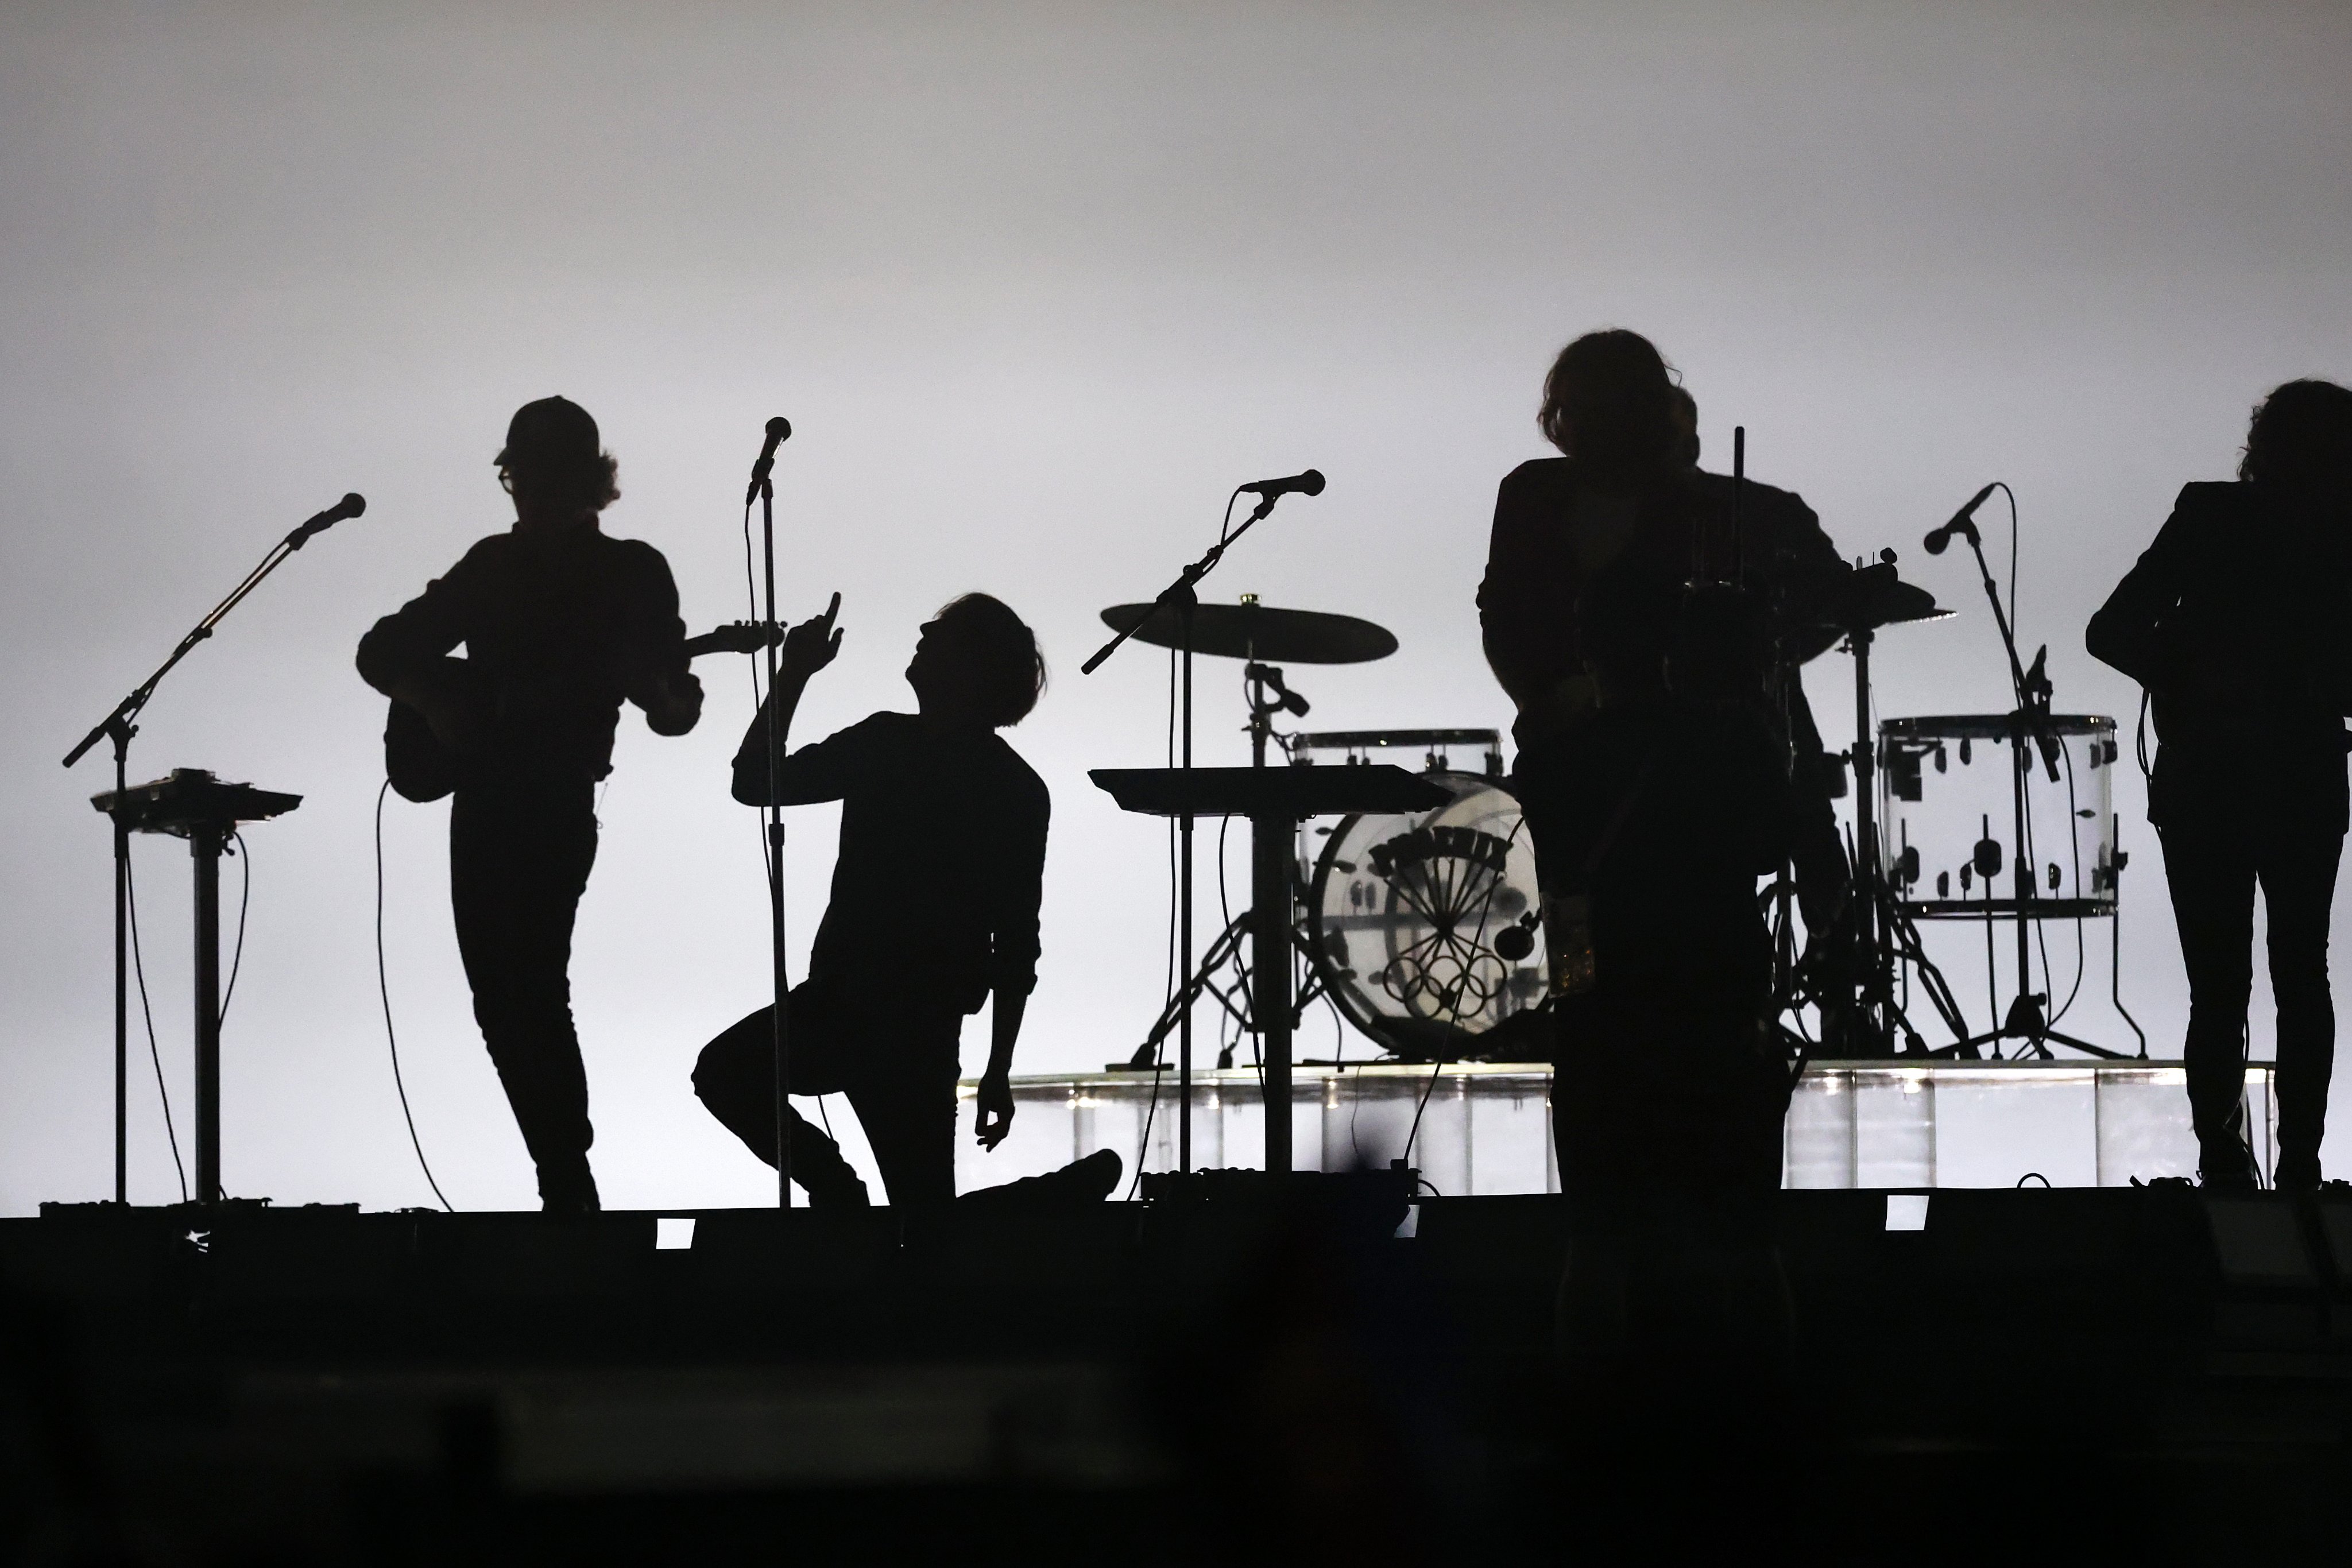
(561, 624)
(2238, 620)
(934, 909)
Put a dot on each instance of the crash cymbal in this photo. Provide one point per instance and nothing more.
(1252, 631)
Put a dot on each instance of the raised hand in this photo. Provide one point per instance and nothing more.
(811, 645)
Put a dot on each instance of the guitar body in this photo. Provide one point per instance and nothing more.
(421, 769)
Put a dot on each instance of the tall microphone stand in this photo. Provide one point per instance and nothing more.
(1182, 597)
(773, 836)
(2029, 728)
(118, 727)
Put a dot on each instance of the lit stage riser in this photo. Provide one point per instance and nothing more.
(1487, 1128)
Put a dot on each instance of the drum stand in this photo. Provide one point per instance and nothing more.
(1883, 935)
(1268, 695)
(1182, 596)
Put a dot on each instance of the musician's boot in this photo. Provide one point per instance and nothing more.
(830, 1181)
(567, 1186)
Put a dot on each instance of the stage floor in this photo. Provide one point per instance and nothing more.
(2150, 1373)
(1485, 1128)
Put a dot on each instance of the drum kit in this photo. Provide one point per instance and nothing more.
(1416, 924)
(1419, 921)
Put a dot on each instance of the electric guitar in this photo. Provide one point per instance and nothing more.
(421, 769)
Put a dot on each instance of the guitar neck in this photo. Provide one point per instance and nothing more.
(740, 637)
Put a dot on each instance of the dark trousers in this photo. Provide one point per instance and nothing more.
(1661, 1104)
(1673, 1308)
(518, 862)
(2215, 854)
(898, 1063)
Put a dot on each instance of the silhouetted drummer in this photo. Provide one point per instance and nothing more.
(1627, 498)
(2238, 621)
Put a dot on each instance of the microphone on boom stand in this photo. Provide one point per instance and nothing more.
(350, 505)
(1310, 483)
(780, 430)
(1962, 521)
(1269, 491)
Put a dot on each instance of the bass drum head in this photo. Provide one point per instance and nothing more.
(1426, 927)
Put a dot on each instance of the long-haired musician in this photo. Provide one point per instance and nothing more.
(2238, 621)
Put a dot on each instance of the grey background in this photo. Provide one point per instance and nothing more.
(1037, 284)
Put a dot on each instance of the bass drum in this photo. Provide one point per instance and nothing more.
(1427, 928)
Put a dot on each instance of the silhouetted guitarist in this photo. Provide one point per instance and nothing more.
(561, 624)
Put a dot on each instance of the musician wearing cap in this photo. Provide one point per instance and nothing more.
(562, 624)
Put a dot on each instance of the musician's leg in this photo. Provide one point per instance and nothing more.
(904, 1089)
(735, 1077)
(518, 865)
(2298, 879)
(2209, 866)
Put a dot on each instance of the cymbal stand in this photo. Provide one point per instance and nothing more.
(118, 727)
(1267, 696)
(1182, 597)
(1883, 935)
(2027, 1021)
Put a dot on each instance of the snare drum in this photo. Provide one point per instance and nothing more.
(1947, 812)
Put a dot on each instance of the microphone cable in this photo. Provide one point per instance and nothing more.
(244, 902)
(1168, 947)
(139, 967)
(384, 991)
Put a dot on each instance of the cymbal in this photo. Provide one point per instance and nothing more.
(1874, 597)
(1254, 630)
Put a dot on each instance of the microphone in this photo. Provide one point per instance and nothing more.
(350, 505)
(1310, 483)
(780, 430)
(1937, 540)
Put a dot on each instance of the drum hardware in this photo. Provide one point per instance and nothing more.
(1357, 746)
(1274, 800)
(1862, 1010)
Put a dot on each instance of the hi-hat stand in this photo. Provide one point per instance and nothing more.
(1883, 935)
(1266, 694)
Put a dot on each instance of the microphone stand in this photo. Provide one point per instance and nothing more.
(118, 727)
(780, 1020)
(1182, 598)
(2028, 728)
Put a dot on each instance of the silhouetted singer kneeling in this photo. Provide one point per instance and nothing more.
(562, 624)
(934, 909)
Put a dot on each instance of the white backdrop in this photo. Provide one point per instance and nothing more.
(1037, 284)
